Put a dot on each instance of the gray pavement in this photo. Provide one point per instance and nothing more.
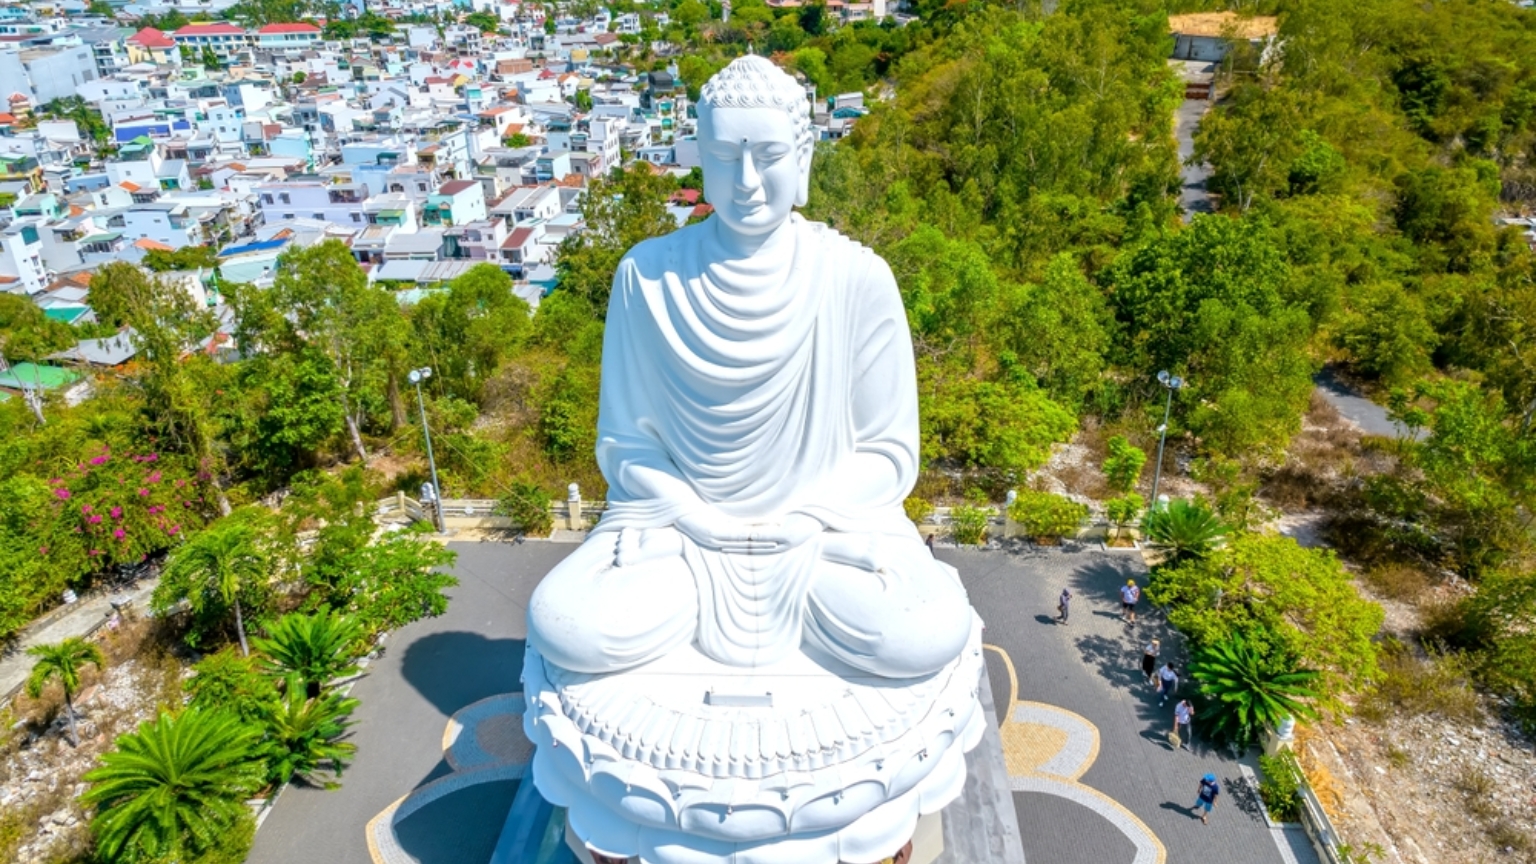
(1353, 406)
(80, 618)
(433, 668)
(1193, 196)
(1090, 667)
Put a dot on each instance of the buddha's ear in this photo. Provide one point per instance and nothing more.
(803, 163)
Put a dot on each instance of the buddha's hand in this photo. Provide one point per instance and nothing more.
(715, 530)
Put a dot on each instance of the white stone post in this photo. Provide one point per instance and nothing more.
(573, 508)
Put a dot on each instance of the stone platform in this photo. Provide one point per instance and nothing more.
(801, 761)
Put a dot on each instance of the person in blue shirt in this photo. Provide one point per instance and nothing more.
(1210, 790)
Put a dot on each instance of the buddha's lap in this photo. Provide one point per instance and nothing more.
(587, 611)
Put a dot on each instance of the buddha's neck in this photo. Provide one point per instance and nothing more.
(762, 247)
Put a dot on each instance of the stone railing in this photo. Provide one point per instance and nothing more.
(573, 514)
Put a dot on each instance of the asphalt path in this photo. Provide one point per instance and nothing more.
(432, 668)
(1353, 406)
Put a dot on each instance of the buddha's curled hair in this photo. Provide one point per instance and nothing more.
(754, 82)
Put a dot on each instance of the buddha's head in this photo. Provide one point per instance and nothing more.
(755, 145)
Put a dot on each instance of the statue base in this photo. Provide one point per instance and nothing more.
(804, 761)
(925, 847)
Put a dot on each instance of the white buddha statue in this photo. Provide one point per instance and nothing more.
(758, 429)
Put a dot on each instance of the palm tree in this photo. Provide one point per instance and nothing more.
(214, 567)
(305, 734)
(63, 661)
(1185, 529)
(319, 648)
(171, 787)
(1248, 694)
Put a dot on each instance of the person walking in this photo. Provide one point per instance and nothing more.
(1064, 605)
(1210, 790)
(1130, 594)
(1167, 682)
(1149, 659)
(1183, 718)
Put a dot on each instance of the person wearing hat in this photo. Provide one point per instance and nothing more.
(1130, 593)
(1206, 800)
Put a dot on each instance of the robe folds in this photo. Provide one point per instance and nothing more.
(760, 384)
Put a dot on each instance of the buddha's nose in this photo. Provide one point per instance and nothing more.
(748, 181)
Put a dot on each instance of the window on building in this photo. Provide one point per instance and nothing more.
(357, 217)
(266, 199)
(286, 199)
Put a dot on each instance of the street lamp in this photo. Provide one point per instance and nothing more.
(417, 376)
(1172, 383)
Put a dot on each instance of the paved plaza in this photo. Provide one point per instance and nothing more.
(1094, 780)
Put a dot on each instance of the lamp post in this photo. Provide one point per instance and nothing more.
(1172, 383)
(417, 376)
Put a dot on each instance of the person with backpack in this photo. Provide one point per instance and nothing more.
(1064, 605)
(1210, 790)
(1167, 682)
(1130, 594)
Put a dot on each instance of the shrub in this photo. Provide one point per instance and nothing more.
(1294, 606)
(304, 735)
(917, 509)
(1409, 686)
(230, 682)
(968, 525)
(319, 648)
(1281, 786)
(1122, 467)
(1123, 511)
(1044, 516)
(527, 504)
(1248, 692)
(1184, 529)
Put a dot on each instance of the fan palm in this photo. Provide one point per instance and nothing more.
(1185, 529)
(213, 568)
(64, 662)
(319, 648)
(305, 735)
(171, 787)
(1247, 693)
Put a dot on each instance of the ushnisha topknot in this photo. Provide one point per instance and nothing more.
(754, 82)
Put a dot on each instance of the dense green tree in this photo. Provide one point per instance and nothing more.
(224, 570)
(620, 211)
(1246, 694)
(229, 681)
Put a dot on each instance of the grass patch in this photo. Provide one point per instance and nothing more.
(1397, 581)
(1439, 684)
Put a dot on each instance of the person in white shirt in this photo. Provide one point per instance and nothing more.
(1183, 716)
(1167, 682)
(1130, 593)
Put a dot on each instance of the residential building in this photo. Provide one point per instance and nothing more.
(456, 202)
(21, 257)
(229, 43)
(337, 203)
(287, 37)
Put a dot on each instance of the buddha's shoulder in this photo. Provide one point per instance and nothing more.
(660, 254)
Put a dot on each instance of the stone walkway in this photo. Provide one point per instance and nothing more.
(78, 619)
(1092, 777)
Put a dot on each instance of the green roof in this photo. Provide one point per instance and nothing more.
(32, 375)
(67, 314)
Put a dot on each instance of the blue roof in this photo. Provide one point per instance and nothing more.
(252, 247)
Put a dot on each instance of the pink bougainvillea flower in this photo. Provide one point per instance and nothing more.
(143, 493)
(152, 457)
(98, 460)
(94, 552)
(174, 529)
(61, 493)
(180, 483)
(119, 533)
(54, 481)
(117, 512)
(154, 477)
(95, 519)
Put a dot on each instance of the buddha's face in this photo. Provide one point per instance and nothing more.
(754, 172)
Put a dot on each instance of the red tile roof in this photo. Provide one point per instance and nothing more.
(454, 187)
(686, 196)
(299, 27)
(149, 245)
(149, 37)
(518, 238)
(210, 28)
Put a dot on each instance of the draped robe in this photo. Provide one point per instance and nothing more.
(768, 388)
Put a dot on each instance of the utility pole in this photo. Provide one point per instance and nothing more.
(417, 376)
(1172, 383)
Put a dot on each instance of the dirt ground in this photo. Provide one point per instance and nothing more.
(41, 822)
